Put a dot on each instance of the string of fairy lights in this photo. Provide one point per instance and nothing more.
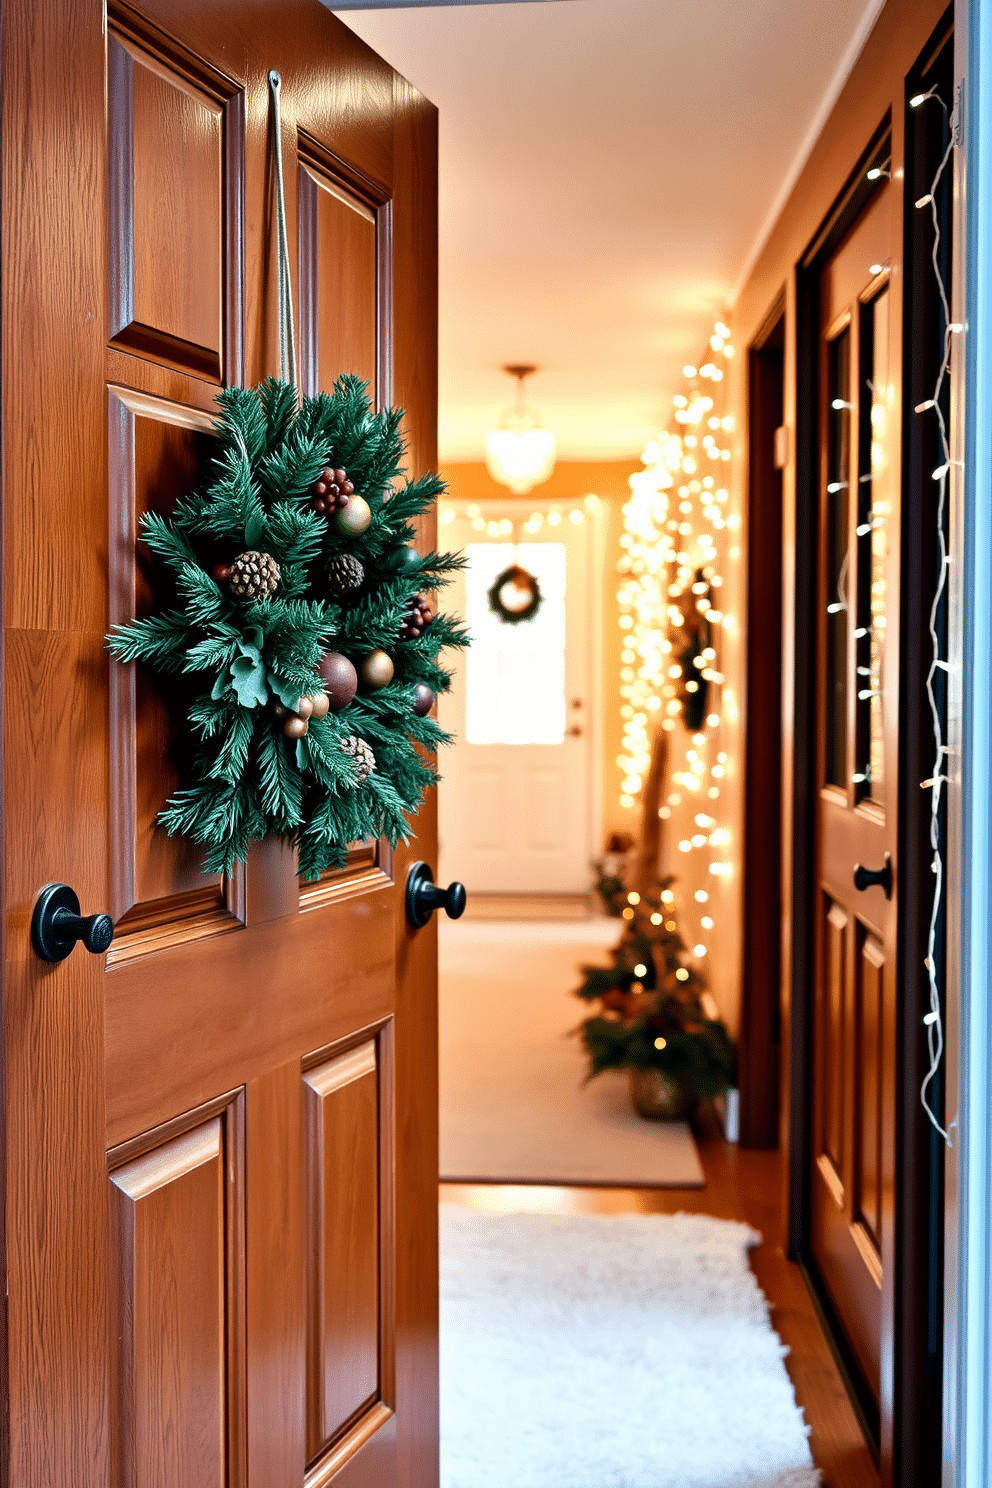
(554, 515)
(671, 542)
(933, 1019)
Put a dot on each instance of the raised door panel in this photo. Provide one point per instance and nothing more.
(868, 1088)
(344, 277)
(160, 892)
(177, 1299)
(349, 1342)
(833, 1043)
(174, 133)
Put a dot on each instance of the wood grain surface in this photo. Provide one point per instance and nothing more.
(155, 1103)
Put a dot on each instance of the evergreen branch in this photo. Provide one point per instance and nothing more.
(159, 641)
(166, 541)
(280, 405)
(280, 785)
(233, 753)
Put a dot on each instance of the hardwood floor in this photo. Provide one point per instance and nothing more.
(746, 1186)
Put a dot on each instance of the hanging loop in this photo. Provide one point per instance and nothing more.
(287, 325)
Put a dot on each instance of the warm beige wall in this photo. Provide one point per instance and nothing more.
(571, 480)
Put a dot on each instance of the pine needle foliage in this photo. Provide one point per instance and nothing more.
(651, 1013)
(224, 663)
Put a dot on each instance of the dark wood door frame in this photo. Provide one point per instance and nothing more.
(919, 1197)
(759, 1044)
(913, 1437)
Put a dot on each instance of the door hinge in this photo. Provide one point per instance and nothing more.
(957, 119)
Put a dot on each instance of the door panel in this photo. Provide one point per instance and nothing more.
(339, 281)
(254, 1066)
(154, 451)
(857, 712)
(344, 1226)
(869, 1083)
(176, 1222)
(834, 1030)
(169, 241)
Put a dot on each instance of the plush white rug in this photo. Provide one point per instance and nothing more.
(514, 1105)
(580, 1351)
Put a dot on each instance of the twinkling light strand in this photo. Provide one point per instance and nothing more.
(673, 523)
(933, 1019)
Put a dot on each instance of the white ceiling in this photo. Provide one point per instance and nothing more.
(608, 168)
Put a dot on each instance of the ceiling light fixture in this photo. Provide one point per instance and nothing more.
(520, 454)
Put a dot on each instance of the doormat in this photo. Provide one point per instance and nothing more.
(634, 1351)
(514, 1107)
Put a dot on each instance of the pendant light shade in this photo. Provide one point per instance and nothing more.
(520, 454)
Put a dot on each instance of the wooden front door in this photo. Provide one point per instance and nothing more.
(858, 709)
(219, 1158)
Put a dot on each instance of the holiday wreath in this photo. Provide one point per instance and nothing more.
(297, 655)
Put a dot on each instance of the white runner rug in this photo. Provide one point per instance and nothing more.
(610, 1352)
(514, 1107)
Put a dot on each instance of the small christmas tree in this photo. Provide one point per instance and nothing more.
(651, 1007)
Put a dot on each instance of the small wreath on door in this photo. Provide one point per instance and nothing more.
(515, 595)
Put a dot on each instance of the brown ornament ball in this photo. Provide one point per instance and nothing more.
(280, 710)
(377, 669)
(339, 678)
(423, 700)
(221, 572)
(352, 520)
(320, 705)
(304, 708)
(295, 728)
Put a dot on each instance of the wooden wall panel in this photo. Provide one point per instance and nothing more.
(342, 319)
(343, 1305)
(176, 1293)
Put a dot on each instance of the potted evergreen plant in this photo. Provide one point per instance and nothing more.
(651, 1018)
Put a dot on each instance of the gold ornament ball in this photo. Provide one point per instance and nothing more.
(295, 728)
(319, 705)
(377, 669)
(304, 707)
(353, 519)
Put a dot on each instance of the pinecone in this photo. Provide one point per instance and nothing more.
(254, 576)
(331, 491)
(418, 616)
(362, 757)
(344, 574)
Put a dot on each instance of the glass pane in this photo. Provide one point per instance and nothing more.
(515, 674)
(836, 556)
(873, 514)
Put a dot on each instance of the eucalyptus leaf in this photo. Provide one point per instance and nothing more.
(248, 679)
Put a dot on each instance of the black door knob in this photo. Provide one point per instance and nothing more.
(423, 897)
(868, 878)
(56, 925)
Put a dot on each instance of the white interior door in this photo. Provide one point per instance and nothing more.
(517, 803)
